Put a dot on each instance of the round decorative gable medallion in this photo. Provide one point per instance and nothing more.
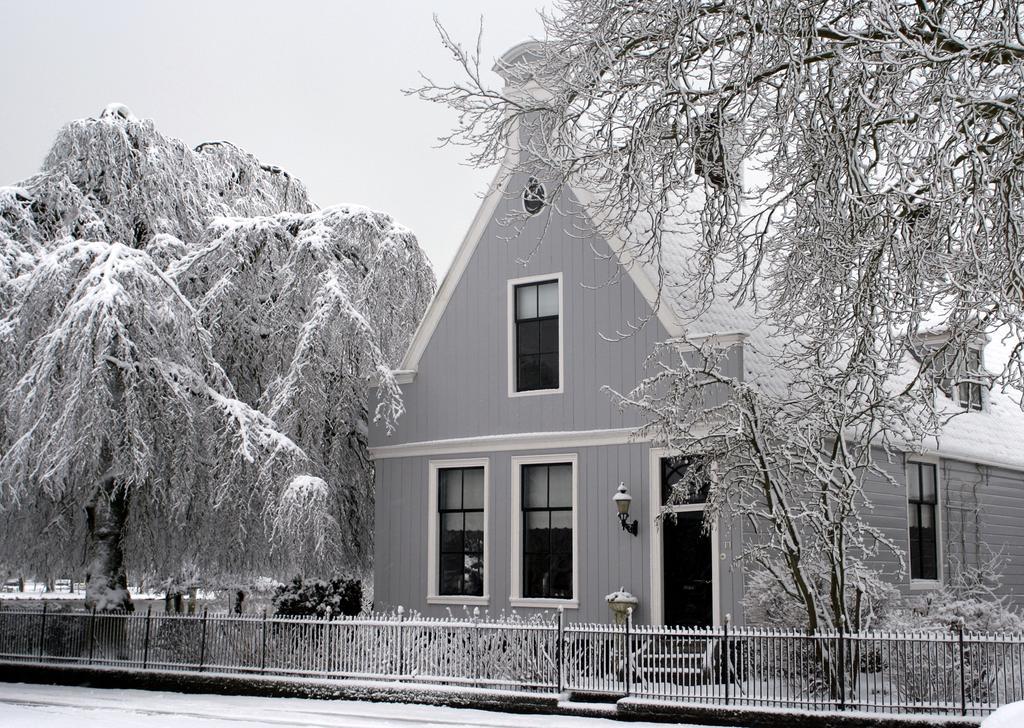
(533, 196)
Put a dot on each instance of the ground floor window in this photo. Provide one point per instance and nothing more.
(544, 490)
(460, 533)
(922, 508)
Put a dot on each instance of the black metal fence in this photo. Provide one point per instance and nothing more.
(950, 673)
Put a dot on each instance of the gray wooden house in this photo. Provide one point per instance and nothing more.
(496, 490)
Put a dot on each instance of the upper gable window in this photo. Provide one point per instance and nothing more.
(969, 388)
(533, 196)
(537, 334)
(961, 377)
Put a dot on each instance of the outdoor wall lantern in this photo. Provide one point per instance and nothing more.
(623, 500)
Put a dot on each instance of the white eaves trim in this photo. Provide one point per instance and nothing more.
(505, 443)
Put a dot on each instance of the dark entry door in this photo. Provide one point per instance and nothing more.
(686, 560)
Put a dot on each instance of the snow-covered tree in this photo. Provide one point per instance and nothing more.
(846, 174)
(302, 309)
(117, 405)
(185, 344)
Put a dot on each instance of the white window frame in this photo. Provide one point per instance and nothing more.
(940, 565)
(964, 377)
(516, 598)
(433, 533)
(656, 455)
(511, 341)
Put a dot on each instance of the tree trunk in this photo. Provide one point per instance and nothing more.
(106, 585)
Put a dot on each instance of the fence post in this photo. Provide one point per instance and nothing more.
(202, 643)
(92, 630)
(42, 629)
(629, 651)
(145, 644)
(476, 645)
(842, 663)
(559, 639)
(725, 655)
(263, 645)
(401, 642)
(963, 668)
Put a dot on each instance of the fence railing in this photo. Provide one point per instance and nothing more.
(955, 672)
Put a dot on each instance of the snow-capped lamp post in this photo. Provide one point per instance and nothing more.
(622, 500)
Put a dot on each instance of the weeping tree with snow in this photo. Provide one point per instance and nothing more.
(188, 398)
(847, 174)
(116, 404)
(303, 308)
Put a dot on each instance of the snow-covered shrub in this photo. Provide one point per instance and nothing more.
(969, 600)
(319, 598)
(768, 602)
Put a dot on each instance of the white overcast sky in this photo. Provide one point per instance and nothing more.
(313, 86)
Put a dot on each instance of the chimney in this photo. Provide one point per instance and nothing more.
(518, 66)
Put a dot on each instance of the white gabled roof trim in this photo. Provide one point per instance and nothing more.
(410, 363)
(640, 279)
(506, 442)
(437, 306)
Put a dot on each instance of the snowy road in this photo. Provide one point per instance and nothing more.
(41, 706)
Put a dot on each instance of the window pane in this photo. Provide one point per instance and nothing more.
(547, 336)
(474, 535)
(561, 532)
(927, 517)
(535, 486)
(473, 575)
(547, 371)
(547, 299)
(450, 483)
(537, 537)
(928, 483)
(535, 575)
(473, 488)
(914, 482)
(528, 338)
(451, 532)
(526, 302)
(529, 374)
(451, 574)
(561, 486)
(912, 515)
(561, 577)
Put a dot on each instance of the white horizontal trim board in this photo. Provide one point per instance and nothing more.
(512, 441)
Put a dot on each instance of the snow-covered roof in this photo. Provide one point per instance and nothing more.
(991, 436)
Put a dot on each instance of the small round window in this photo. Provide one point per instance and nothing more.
(533, 196)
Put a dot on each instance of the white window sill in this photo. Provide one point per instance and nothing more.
(459, 600)
(925, 584)
(544, 603)
(537, 392)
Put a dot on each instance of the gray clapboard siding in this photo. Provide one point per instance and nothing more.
(461, 389)
(984, 516)
(608, 557)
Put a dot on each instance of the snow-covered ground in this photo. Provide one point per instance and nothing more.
(1009, 716)
(41, 706)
